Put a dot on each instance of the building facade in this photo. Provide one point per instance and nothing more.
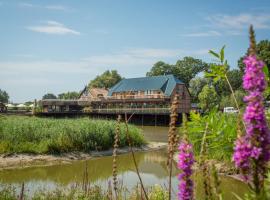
(146, 95)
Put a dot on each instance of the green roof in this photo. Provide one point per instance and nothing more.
(164, 83)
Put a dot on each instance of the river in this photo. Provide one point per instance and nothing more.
(152, 167)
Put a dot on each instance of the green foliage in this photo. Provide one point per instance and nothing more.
(39, 135)
(160, 68)
(4, 96)
(263, 52)
(158, 193)
(76, 192)
(184, 69)
(69, 95)
(227, 101)
(105, 80)
(218, 71)
(49, 96)
(220, 137)
(208, 98)
(234, 77)
(195, 87)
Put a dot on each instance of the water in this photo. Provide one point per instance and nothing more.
(152, 167)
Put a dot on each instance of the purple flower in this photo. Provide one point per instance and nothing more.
(253, 148)
(185, 162)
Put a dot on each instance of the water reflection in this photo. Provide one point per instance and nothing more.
(152, 166)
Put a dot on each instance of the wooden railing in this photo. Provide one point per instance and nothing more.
(132, 110)
(150, 96)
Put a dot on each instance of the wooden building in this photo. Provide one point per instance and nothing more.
(146, 95)
(93, 94)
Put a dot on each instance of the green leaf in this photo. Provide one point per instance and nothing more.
(214, 53)
(222, 54)
(266, 71)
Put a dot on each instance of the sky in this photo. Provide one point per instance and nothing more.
(59, 46)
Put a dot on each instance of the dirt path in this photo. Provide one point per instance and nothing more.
(11, 161)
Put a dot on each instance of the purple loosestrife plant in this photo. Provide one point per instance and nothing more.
(252, 149)
(185, 162)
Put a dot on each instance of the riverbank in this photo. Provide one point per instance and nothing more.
(15, 160)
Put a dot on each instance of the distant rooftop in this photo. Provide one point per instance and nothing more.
(165, 83)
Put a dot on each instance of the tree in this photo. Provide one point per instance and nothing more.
(69, 95)
(195, 87)
(106, 80)
(49, 96)
(184, 69)
(4, 97)
(188, 68)
(160, 68)
(263, 52)
(208, 98)
(235, 79)
(227, 101)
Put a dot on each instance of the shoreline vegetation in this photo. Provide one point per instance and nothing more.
(32, 135)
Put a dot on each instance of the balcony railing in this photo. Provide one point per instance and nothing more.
(132, 110)
(123, 97)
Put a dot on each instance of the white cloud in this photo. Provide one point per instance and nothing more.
(49, 7)
(202, 34)
(57, 7)
(28, 79)
(53, 27)
(141, 56)
(241, 21)
(29, 5)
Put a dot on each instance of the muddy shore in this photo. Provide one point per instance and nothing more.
(12, 161)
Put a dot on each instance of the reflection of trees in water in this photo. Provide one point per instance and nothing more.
(98, 169)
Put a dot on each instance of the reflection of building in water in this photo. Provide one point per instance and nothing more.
(155, 163)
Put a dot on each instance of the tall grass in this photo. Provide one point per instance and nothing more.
(94, 192)
(19, 134)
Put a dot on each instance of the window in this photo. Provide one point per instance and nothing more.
(148, 92)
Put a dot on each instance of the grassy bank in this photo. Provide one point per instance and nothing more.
(19, 134)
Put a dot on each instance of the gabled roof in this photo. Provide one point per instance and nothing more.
(164, 83)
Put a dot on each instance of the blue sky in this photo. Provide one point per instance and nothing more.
(58, 46)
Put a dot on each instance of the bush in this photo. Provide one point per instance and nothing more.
(221, 133)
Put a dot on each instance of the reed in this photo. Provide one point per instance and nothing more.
(19, 134)
(115, 146)
(172, 139)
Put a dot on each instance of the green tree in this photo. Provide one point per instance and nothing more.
(208, 98)
(187, 68)
(106, 80)
(49, 96)
(195, 87)
(160, 68)
(4, 97)
(226, 101)
(235, 79)
(263, 52)
(184, 69)
(69, 95)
